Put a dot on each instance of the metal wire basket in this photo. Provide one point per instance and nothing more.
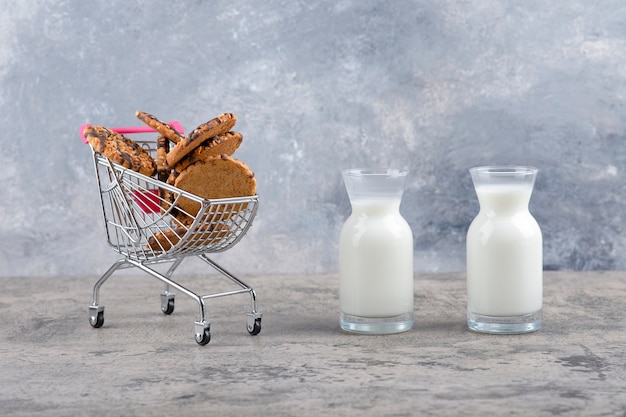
(144, 223)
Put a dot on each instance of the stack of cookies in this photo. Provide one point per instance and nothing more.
(200, 163)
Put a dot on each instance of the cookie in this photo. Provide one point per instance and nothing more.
(167, 200)
(171, 179)
(167, 197)
(163, 128)
(214, 127)
(214, 178)
(120, 149)
(204, 235)
(165, 240)
(163, 147)
(225, 144)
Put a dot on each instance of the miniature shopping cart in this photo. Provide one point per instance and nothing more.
(145, 224)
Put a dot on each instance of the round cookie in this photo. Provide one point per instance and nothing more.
(165, 240)
(207, 233)
(225, 144)
(120, 149)
(214, 127)
(214, 178)
(163, 128)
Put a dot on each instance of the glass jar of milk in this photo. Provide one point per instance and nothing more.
(504, 253)
(376, 255)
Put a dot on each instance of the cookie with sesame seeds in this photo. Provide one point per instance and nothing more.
(163, 128)
(225, 144)
(214, 127)
(162, 148)
(120, 149)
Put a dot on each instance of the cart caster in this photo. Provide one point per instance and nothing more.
(96, 316)
(254, 323)
(203, 333)
(167, 302)
(203, 338)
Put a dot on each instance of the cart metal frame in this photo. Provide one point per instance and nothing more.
(145, 224)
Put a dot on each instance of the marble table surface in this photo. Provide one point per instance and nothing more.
(142, 362)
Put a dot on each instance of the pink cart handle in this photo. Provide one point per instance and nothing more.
(133, 129)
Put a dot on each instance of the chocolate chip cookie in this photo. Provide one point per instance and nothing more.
(120, 149)
(225, 144)
(163, 128)
(214, 127)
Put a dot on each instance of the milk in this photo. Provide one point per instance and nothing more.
(376, 260)
(504, 253)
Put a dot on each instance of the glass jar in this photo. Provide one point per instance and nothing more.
(504, 253)
(376, 255)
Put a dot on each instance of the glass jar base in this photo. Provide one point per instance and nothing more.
(505, 325)
(376, 325)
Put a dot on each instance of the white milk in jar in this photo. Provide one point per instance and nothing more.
(504, 253)
(376, 261)
(376, 255)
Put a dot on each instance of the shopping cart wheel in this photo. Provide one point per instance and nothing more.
(96, 316)
(254, 323)
(203, 332)
(167, 302)
(204, 337)
(169, 307)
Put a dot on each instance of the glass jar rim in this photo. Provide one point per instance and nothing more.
(505, 170)
(362, 172)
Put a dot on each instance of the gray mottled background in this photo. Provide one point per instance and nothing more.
(432, 86)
